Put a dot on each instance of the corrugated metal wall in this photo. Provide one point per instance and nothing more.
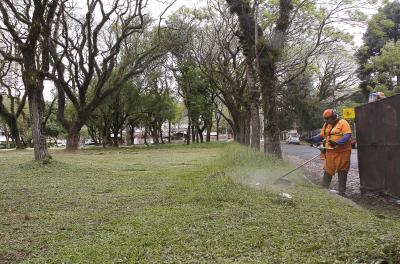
(378, 140)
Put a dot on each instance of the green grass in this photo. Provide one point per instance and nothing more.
(178, 204)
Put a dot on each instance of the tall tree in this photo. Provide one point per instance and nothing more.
(377, 57)
(26, 26)
(194, 87)
(269, 52)
(12, 100)
(104, 51)
(219, 55)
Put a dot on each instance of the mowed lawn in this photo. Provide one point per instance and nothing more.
(211, 203)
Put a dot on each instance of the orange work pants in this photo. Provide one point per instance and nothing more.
(337, 161)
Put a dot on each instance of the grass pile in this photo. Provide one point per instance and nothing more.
(208, 203)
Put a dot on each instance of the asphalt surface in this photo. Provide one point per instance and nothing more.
(306, 152)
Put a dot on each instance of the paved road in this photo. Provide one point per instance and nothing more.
(306, 152)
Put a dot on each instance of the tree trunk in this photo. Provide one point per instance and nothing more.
(104, 138)
(15, 135)
(244, 127)
(169, 132)
(23, 142)
(161, 136)
(217, 129)
(7, 141)
(155, 136)
(269, 103)
(398, 83)
(188, 133)
(193, 135)
(238, 131)
(73, 139)
(93, 135)
(247, 132)
(36, 110)
(254, 105)
(242, 132)
(145, 138)
(115, 139)
(109, 138)
(11, 120)
(208, 136)
(197, 135)
(128, 135)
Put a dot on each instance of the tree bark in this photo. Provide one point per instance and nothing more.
(93, 134)
(217, 129)
(73, 139)
(398, 83)
(36, 110)
(128, 135)
(197, 135)
(132, 132)
(254, 97)
(271, 128)
(115, 139)
(104, 136)
(169, 132)
(145, 137)
(193, 135)
(188, 133)
(7, 141)
(242, 133)
(161, 136)
(155, 136)
(208, 136)
(247, 132)
(11, 121)
(15, 135)
(200, 133)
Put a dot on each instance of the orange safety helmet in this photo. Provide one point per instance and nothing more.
(330, 113)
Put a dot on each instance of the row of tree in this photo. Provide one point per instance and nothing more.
(259, 65)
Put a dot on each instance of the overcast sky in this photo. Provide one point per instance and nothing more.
(156, 7)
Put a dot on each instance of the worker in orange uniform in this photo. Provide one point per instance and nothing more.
(335, 134)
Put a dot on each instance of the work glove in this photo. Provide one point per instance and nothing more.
(332, 143)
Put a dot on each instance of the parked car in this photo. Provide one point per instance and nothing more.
(61, 143)
(89, 142)
(293, 138)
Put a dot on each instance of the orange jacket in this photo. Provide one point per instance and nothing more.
(334, 133)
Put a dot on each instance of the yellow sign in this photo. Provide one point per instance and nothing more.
(349, 113)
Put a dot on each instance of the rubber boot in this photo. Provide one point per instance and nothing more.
(326, 180)
(342, 178)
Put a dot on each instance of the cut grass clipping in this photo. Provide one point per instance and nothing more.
(208, 203)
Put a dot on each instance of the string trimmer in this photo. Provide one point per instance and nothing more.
(285, 181)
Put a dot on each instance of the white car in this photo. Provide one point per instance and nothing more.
(61, 143)
(293, 138)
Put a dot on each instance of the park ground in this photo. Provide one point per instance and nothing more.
(212, 203)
